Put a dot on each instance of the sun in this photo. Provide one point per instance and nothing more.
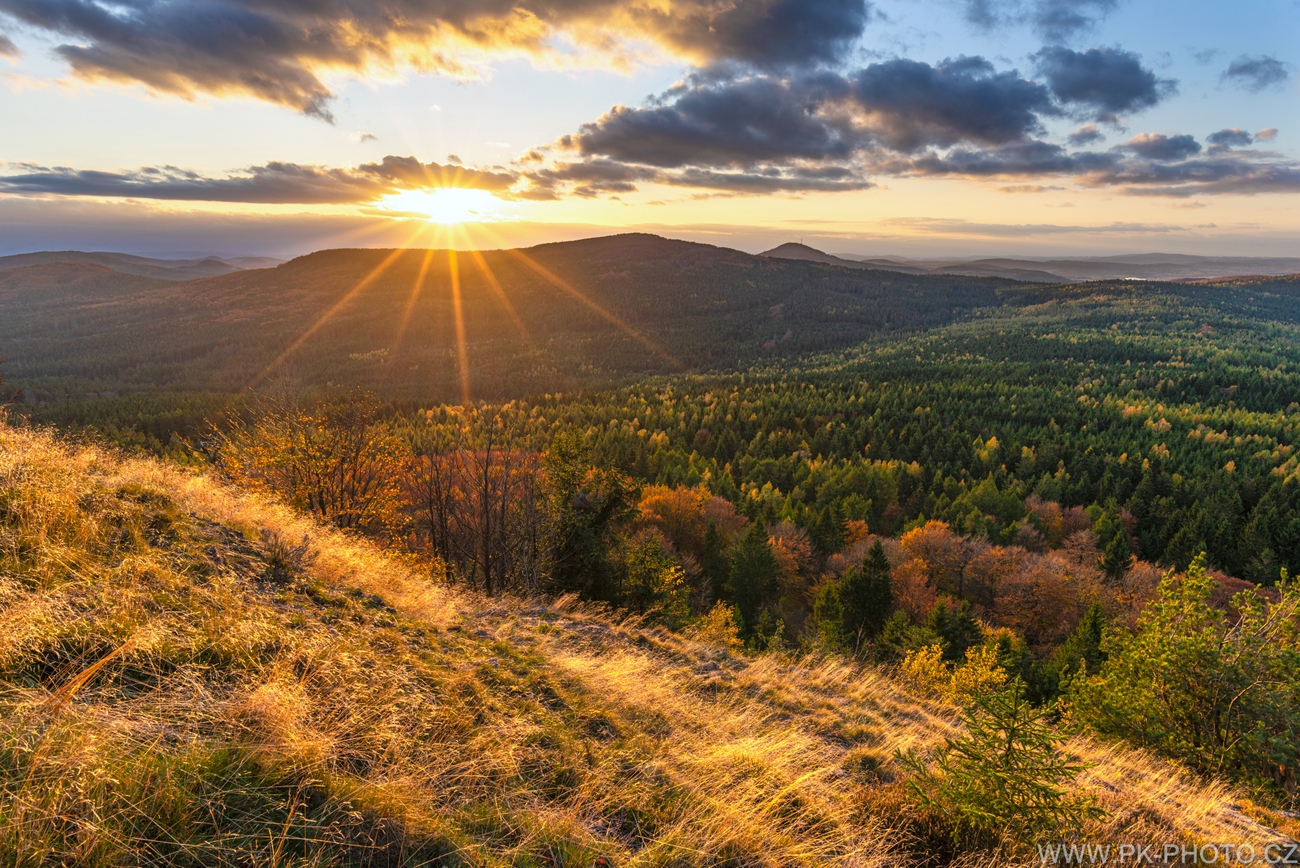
(447, 204)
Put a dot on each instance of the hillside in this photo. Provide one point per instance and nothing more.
(173, 270)
(182, 682)
(1144, 266)
(553, 317)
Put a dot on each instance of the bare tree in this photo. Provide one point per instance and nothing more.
(473, 487)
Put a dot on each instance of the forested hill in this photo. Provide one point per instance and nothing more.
(550, 317)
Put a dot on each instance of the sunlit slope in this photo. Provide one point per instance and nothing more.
(409, 323)
(194, 676)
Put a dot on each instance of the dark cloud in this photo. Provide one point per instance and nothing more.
(604, 177)
(764, 121)
(741, 122)
(1054, 20)
(760, 133)
(1256, 73)
(1086, 135)
(275, 50)
(273, 183)
(1032, 159)
(7, 47)
(1158, 146)
(1232, 138)
(1105, 80)
(909, 104)
(1059, 20)
(773, 34)
(1123, 169)
(1225, 173)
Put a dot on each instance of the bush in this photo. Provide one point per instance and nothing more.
(1195, 683)
(982, 672)
(284, 560)
(1005, 781)
(332, 457)
(718, 627)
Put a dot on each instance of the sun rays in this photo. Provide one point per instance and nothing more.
(456, 236)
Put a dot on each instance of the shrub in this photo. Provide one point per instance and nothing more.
(981, 672)
(284, 560)
(1005, 781)
(1194, 683)
(332, 457)
(718, 627)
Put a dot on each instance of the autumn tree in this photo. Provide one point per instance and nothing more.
(473, 485)
(334, 457)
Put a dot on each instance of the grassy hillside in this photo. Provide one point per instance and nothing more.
(549, 318)
(190, 675)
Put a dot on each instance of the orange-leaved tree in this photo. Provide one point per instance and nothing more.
(332, 456)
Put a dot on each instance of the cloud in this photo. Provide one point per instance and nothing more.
(1054, 20)
(908, 104)
(1148, 165)
(1086, 135)
(1256, 73)
(768, 34)
(828, 130)
(1059, 20)
(273, 183)
(1239, 173)
(361, 137)
(1230, 138)
(1158, 146)
(758, 120)
(278, 50)
(1106, 80)
(592, 178)
(734, 123)
(1266, 135)
(7, 47)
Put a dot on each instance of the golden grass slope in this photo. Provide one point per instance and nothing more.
(178, 687)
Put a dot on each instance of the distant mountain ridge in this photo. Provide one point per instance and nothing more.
(1132, 266)
(552, 317)
(142, 266)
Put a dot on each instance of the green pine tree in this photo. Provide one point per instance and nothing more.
(713, 564)
(828, 617)
(1082, 652)
(956, 628)
(1006, 778)
(866, 596)
(754, 580)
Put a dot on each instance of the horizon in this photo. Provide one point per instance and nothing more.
(230, 257)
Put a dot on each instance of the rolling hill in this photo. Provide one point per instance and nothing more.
(1143, 266)
(557, 316)
(162, 269)
(193, 675)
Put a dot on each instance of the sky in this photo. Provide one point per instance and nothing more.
(925, 128)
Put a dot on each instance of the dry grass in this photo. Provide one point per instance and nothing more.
(175, 689)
